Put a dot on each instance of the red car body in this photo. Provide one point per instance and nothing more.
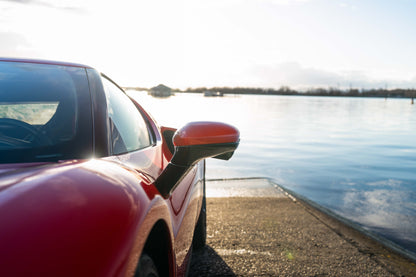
(96, 213)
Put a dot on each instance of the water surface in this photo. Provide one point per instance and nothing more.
(355, 156)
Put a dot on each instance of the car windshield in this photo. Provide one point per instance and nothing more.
(38, 110)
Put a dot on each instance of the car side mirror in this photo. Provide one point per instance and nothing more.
(194, 142)
(199, 140)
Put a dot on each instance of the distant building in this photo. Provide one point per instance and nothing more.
(213, 93)
(160, 91)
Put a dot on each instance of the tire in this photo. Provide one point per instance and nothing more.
(200, 234)
(146, 267)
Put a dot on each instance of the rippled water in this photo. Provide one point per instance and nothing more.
(355, 156)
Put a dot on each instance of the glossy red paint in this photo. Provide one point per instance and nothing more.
(200, 133)
(70, 219)
(95, 217)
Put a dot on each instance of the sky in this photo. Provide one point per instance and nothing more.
(248, 43)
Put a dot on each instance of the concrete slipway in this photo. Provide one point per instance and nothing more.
(255, 228)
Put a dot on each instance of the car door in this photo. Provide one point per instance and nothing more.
(137, 147)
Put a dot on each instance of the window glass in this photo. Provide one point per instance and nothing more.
(34, 113)
(39, 111)
(128, 129)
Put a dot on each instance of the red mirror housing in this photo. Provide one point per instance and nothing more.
(197, 133)
(194, 142)
(199, 140)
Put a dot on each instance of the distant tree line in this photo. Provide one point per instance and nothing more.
(395, 93)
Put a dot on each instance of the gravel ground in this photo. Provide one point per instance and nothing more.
(261, 236)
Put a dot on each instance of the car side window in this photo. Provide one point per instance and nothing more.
(128, 129)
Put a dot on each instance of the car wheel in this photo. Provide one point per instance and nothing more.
(200, 234)
(146, 267)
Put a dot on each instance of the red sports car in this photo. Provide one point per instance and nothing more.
(89, 184)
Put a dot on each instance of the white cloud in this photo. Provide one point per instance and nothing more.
(386, 183)
(347, 5)
(390, 210)
(12, 42)
(286, 2)
(19, 1)
(240, 2)
(76, 5)
(209, 43)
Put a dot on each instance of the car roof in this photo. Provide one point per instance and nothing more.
(39, 61)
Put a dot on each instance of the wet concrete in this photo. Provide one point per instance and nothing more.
(247, 187)
(275, 234)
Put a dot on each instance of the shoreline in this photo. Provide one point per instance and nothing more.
(392, 246)
(315, 206)
(275, 233)
(399, 93)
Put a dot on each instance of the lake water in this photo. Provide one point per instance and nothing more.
(354, 156)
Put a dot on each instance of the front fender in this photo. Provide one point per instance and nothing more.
(77, 219)
(157, 214)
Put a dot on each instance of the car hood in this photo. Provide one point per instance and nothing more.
(11, 174)
(86, 172)
(57, 211)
